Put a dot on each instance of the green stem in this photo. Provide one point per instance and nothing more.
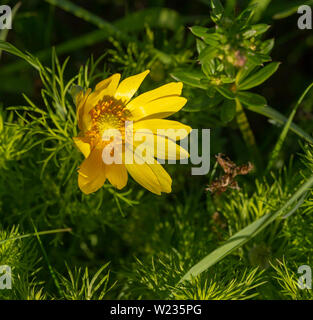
(247, 132)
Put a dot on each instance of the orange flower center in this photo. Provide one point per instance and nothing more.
(107, 115)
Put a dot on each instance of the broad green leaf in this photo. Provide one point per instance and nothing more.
(246, 234)
(227, 93)
(228, 110)
(203, 103)
(200, 45)
(191, 78)
(211, 39)
(251, 99)
(208, 53)
(199, 31)
(259, 77)
(258, 58)
(256, 30)
(208, 68)
(267, 46)
(245, 72)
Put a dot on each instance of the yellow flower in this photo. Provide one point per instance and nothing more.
(110, 106)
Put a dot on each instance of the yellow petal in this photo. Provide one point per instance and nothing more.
(91, 174)
(129, 86)
(163, 177)
(159, 108)
(104, 88)
(80, 104)
(109, 83)
(83, 145)
(153, 177)
(160, 148)
(117, 175)
(79, 98)
(173, 129)
(170, 89)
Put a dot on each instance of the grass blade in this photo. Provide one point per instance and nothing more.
(244, 235)
(273, 114)
(283, 135)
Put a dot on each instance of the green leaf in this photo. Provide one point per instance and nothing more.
(199, 31)
(217, 10)
(267, 46)
(200, 45)
(259, 77)
(203, 103)
(228, 110)
(245, 72)
(208, 68)
(244, 235)
(225, 92)
(271, 113)
(256, 30)
(227, 80)
(251, 99)
(246, 15)
(211, 39)
(208, 53)
(192, 78)
(258, 58)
